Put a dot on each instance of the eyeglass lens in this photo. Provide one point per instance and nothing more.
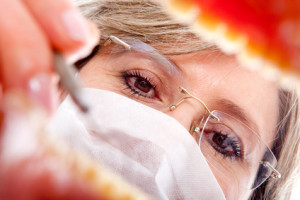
(233, 151)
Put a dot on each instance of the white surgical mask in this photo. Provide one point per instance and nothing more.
(147, 147)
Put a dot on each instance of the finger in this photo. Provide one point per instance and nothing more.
(63, 24)
(25, 51)
(88, 48)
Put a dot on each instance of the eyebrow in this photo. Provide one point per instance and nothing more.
(236, 111)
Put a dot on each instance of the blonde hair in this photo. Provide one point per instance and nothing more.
(143, 20)
(286, 148)
(147, 21)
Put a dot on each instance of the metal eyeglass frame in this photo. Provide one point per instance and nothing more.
(275, 173)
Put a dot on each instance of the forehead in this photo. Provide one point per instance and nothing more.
(213, 76)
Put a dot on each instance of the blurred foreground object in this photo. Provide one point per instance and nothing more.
(265, 35)
(34, 167)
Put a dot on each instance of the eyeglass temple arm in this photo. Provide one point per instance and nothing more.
(116, 40)
(275, 174)
(184, 91)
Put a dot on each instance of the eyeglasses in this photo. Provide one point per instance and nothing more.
(235, 153)
(220, 133)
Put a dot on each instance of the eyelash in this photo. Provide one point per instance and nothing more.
(137, 74)
(234, 144)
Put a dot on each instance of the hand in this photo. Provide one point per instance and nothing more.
(30, 30)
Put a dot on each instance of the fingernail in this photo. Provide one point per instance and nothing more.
(75, 25)
(41, 90)
(81, 53)
(87, 48)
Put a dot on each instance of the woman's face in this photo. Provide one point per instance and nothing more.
(217, 79)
